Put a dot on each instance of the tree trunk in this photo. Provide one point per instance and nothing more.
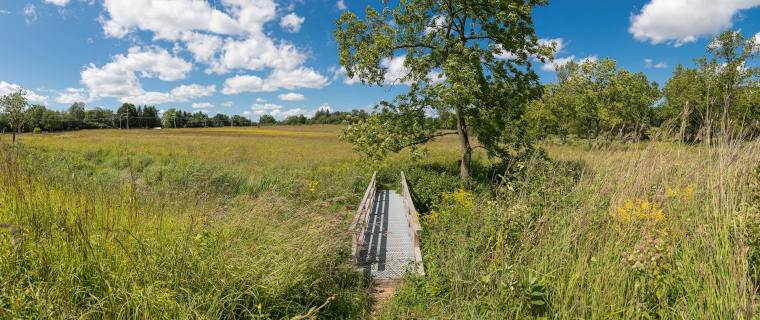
(14, 136)
(464, 142)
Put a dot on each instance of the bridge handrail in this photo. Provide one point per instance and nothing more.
(362, 214)
(415, 229)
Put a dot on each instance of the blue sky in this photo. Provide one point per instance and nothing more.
(254, 57)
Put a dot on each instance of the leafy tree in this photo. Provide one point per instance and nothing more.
(540, 119)
(51, 120)
(267, 119)
(450, 51)
(732, 51)
(596, 85)
(169, 119)
(33, 115)
(77, 110)
(14, 105)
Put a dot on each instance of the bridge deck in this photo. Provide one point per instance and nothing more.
(387, 250)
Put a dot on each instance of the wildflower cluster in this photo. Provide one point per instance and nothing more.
(457, 203)
(640, 211)
(655, 272)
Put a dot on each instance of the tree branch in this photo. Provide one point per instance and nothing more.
(431, 137)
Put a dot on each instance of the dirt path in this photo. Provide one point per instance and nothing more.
(381, 293)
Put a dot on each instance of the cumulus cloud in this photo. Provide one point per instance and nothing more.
(559, 44)
(684, 21)
(179, 94)
(228, 104)
(260, 100)
(31, 96)
(661, 65)
(292, 96)
(247, 113)
(268, 106)
(325, 107)
(228, 37)
(59, 3)
(285, 79)
(395, 71)
(648, 63)
(202, 105)
(292, 22)
(292, 112)
(118, 79)
(341, 5)
(211, 35)
(562, 61)
(71, 97)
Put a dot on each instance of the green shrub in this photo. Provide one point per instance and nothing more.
(37, 130)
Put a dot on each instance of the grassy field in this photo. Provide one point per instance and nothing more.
(241, 223)
(199, 223)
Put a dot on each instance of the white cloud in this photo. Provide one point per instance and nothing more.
(260, 100)
(395, 70)
(193, 91)
(661, 65)
(292, 22)
(4, 11)
(185, 20)
(648, 63)
(558, 42)
(292, 112)
(268, 106)
(286, 79)
(179, 94)
(292, 96)
(260, 112)
(227, 104)
(31, 96)
(325, 107)
(168, 18)
(29, 10)
(59, 3)
(72, 97)
(201, 105)
(247, 113)
(118, 79)
(341, 5)
(683, 21)
(562, 61)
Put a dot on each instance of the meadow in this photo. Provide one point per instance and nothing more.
(241, 223)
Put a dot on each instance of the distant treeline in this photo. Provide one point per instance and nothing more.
(77, 117)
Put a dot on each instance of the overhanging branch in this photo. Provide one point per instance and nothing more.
(430, 137)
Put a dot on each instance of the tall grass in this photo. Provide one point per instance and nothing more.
(180, 224)
(651, 230)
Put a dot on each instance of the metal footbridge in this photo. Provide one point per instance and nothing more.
(386, 233)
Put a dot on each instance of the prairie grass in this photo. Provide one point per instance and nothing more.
(213, 223)
(648, 230)
(180, 224)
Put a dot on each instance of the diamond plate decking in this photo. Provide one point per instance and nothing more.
(387, 251)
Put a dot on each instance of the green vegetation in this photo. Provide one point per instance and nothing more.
(452, 55)
(596, 197)
(192, 224)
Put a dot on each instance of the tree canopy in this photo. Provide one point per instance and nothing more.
(473, 59)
